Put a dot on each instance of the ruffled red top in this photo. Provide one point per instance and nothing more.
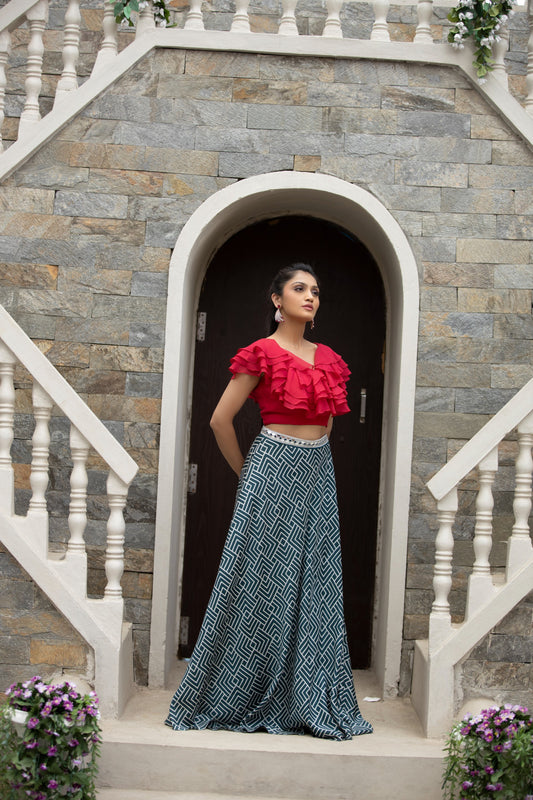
(292, 391)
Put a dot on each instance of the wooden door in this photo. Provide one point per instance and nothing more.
(351, 320)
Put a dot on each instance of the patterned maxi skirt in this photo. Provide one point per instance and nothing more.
(272, 653)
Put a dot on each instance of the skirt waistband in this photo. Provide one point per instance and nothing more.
(294, 440)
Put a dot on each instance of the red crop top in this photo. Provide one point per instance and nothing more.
(291, 391)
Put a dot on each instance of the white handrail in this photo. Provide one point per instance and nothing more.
(65, 397)
(12, 14)
(481, 444)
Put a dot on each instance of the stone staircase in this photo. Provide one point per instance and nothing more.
(142, 759)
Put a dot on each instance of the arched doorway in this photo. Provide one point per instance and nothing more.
(227, 211)
(352, 320)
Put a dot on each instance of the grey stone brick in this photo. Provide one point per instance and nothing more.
(118, 106)
(431, 399)
(494, 351)
(287, 68)
(476, 326)
(438, 348)
(473, 275)
(343, 94)
(221, 64)
(418, 98)
(451, 426)
(513, 326)
(436, 249)
(233, 140)
(51, 176)
(15, 595)
(285, 118)
(497, 177)
(434, 123)
(88, 330)
(149, 284)
(243, 165)
(137, 309)
(359, 120)
(137, 611)
(511, 376)
(144, 384)
(481, 401)
(513, 276)
(163, 233)
(438, 298)
(15, 649)
(511, 153)
(195, 87)
(432, 449)
(453, 375)
(61, 304)
(424, 173)
(144, 334)
(433, 75)
(211, 113)
(306, 143)
(367, 72)
(510, 648)
(478, 201)
(361, 169)
(155, 134)
(37, 326)
(515, 227)
(463, 151)
(364, 144)
(408, 198)
(91, 204)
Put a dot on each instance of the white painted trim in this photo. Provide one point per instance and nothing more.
(225, 212)
(500, 99)
(485, 440)
(66, 398)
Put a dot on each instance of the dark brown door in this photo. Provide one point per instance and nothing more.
(351, 320)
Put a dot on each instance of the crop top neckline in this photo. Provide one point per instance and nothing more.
(291, 390)
(285, 350)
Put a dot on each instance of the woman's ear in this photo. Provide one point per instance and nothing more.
(276, 299)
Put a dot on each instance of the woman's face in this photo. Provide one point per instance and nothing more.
(300, 297)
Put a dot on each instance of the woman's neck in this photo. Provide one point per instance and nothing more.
(290, 334)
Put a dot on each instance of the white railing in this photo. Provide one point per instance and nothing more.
(35, 14)
(491, 594)
(64, 577)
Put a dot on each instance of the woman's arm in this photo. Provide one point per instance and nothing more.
(230, 403)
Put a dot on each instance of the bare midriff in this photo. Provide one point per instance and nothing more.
(309, 432)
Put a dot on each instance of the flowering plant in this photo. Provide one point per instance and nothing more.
(480, 19)
(490, 755)
(123, 10)
(56, 754)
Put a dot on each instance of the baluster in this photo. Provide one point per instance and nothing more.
(529, 77)
(332, 28)
(37, 18)
(423, 29)
(480, 586)
(380, 29)
(145, 20)
(7, 411)
(499, 49)
(117, 492)
(71, 50)
(77, 518)
(519, 547)
(109, 47)
(241, 20)
(42, 409)
(440, 620)
(287, 23)
(5, 47)
(195, 20)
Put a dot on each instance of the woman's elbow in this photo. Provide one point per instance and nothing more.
(217, 422)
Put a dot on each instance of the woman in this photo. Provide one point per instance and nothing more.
(272, 653)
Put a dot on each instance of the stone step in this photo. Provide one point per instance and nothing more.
(141, 755)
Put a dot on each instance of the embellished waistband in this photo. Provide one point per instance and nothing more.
(294, 440)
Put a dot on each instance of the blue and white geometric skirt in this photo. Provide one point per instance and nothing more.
(272, 653)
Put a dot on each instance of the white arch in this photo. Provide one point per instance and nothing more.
(223, 214)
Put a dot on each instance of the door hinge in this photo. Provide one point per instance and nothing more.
(184, 630)
(200, 326)
(362, 410)
(193, 478)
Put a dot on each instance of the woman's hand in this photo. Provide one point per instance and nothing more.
(233, 399)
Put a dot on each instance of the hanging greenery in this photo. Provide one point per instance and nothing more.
(124, 10)
(480, 19)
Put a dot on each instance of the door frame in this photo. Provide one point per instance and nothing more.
(216, 220)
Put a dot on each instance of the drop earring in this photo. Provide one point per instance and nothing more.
(312, 324)
(278, 316)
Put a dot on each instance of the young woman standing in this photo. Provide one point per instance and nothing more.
(272, 652)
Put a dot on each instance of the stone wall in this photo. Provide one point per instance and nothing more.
(34, 638)
(356, 17)
(501, 666)
(89, 223)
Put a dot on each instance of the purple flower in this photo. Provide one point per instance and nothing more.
(494, 787)
(466, 785)
(42, 767)
(52, 751)
(489, 770)
(52, 784)
(47, 709)
(73, 743)
(32, 723)
(32, 745)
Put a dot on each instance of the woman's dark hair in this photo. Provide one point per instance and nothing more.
(276, 287)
